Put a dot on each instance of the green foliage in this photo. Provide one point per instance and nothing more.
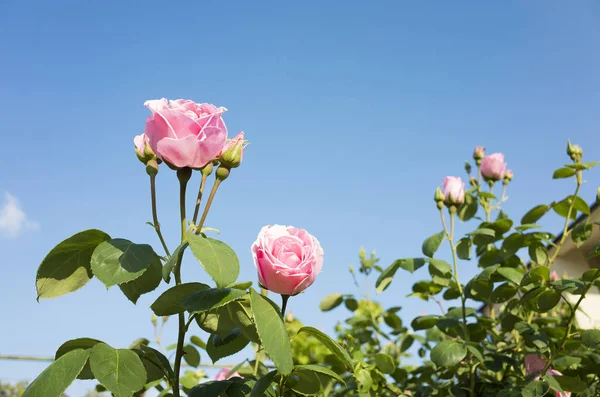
(217, 258)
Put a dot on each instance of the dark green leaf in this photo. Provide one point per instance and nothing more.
(169, 302)
(463, 248)
(191, 355)
(385, 278)
(154, 361)
(218, 347)
(547, 300)
(385, 363)
(333, 346)
(210, 389)
(119, 370)
(66, 268)
(407, 342)
(456, 312)
(536, 276)
(58, 376)
(147, 282)
(272, 333)
(211, 298)
(473, 349)
(564, 362)
(534, 214)
(538, 253)
(512, 244)
(118, 261)
(483, 231)
(423, 322)
(503, 293)
(591, 338)
(217, 258)
(304, 382)
(571, 384)
(536, 388)
(479, 289)
(351, 304)
(172, 262)
(448, 353)
(563, 173)
(432, 243)
(263, 384)
(74, 344)
(330, 302)
(321, 370)
(440, 268)
(468, 209)
(582, 232)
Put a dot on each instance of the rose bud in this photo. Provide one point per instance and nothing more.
(232, 153)
(453, 189)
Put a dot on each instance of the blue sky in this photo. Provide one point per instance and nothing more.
(355, 111)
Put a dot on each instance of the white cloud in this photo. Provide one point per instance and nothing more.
(13, 221)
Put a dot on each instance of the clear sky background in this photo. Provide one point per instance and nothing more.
(355, 111)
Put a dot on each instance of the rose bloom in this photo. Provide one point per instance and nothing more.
(288, 259)
(453, 189)
(493, 167)
(184, 133)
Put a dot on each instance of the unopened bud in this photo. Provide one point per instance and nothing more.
(152, 167)
(467, 167)
(233, 151)
(478, 153)
(222, 173)
(508, 176)
(207, 170)
(142, 149)
(439, 196)
(473, 181)
(575, 152)
(154, 319)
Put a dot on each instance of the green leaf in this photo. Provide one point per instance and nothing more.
(306, 383)
(448, 353)
(272, 333)
(440, 268)
(74, 344)
(66, 268)
(330, 302)
(562, 208)
(169, 302)
(211, 298)
(510, 274)
(121, 371)
(534, 214)
(432, 243)
(423, 322)
(468, 209)
(583, 166)
(407, 342)
(240, 314)
(482, 231)
(154, 361)
(564, 362)
(582, 232)
(581, 206)
(591, 338)
(332, 345)
(196, 340)
(351, 304)
(536, 276)
(473, 349)
(385, 363)
(172, 262)
(463, 248)
(571, 384)
(118, 261)
(502, 293)
(547, 300)
(191, 355)
(538, 253)
(263, 384)
(217, 258)
(479, 289)
(563, 173)
(536, 388)
(210, 389)
(58, 376)
(385, 278)
(242, 285)
(321, 370)
(147, 282)
(218, 347)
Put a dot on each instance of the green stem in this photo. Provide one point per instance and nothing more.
(208, 204)
(284, 301)
(184, 176)
(488, 207)
(155, 214)
(571, 318)
(256, 360)
(567, 221)
(199, 199)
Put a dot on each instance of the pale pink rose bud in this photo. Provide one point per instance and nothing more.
(493, 167)
(222, 375)
(554, 276)
(142, 149)
(288, 259)
(232, 153)
(508, 175)
(478, 153)
(453, 189)
(184, 133)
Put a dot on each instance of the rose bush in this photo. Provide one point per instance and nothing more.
(509, 331)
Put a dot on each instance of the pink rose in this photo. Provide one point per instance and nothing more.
(554, 276)
(222, 375)
(288, 259)
(493, 167)
(535, 364)
(453, 189)
(184, 133)
(478, 153)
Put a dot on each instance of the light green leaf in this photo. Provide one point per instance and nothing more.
(169, 302)
(423, 322)
(211, 298)
(332, 345)
(563, 173)
(272, 333)
(385, 278)
(463, 248)
(118, 261)
(432, 243)
(217, 258)
(534, 214)
(66, 268)
(583, 166)
(147, 282)
(121, 371)
(385, 363)
(172, 262)
(330, 302)
(448, 353)
(58, 376)
(538, 253)
(468, 209)
(510, 274)
(321, 370)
